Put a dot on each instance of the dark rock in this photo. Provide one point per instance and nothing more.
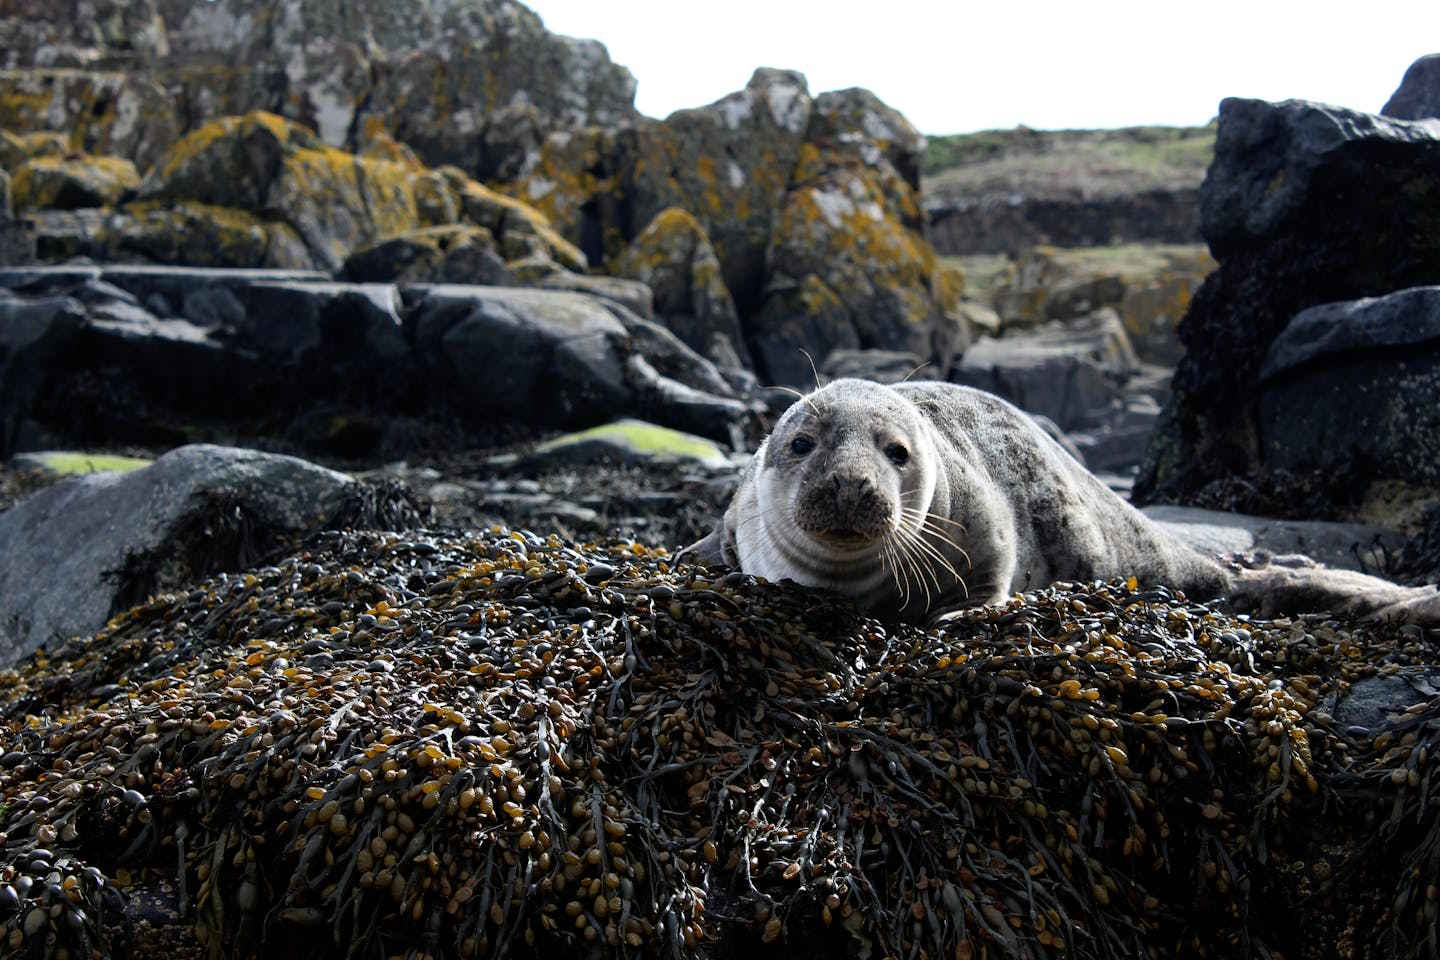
(1418, 96)
(633, 295)
(551, 358)
(71, 547)
(1351, 388)
(1377, 703)
(1071, 373)
(1304, 204)
(176, 284)
(455, 253)
(882, 366)
(34, 333)
(1014, 222)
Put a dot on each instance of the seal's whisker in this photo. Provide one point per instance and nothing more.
(813, 371)
(931, 556)
(803, 397)
(921, 563)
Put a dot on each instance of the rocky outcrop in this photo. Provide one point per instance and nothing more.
(158, 357)
(674, 258)
(76, 551)
(72, 182)
(1350, 388)
(1418, 96)
(1304, 204)
(1009, 224)
(444, 78)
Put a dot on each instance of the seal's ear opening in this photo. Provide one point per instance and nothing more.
(709, 551)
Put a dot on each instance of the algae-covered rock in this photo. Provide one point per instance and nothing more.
(16, 148)
(65, 463)
(450, 254)
(520, 228)
(629, 441)
(107, 112)
(71, 182)
(267, 165)
(841, 240)
(184, 232)
(673, 256)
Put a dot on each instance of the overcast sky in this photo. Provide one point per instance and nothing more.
(954, 66)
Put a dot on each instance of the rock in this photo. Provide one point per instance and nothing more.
(523, 231)
(1071, 373)
(100, 112)
(66, 183)
(1378, 703)
(630, 294)
(16, 148)
(674, 258)
(188, 233)
(844, 224)
(628, 441)
(1418, 96)
(882, 366)
(73, 548)
(6, 209)
(437, 75)
(1349, 546)
(34, 333)
(174, 284)
(266, 165)
(552, 358)
(1149, 286)
(1304, 204)
(40, 34)
(456, 253)
(1350, 388)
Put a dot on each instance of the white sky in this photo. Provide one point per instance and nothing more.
(958, 65)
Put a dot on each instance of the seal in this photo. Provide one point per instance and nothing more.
(919, 499)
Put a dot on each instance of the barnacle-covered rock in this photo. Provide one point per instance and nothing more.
(506, 744)
(71, 182)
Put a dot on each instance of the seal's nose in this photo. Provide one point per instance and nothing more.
(854, 495)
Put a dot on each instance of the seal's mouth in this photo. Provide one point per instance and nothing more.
(844, 538)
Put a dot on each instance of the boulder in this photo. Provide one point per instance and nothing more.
(1072, 373)
(16, 148)
(103, 112)
(633, 295)
(628, 441)
(263, 164)
(1350, 388)
(70, 182)
(841, 243)
(882, 366)
(553, 358)
(1304, 204)
(75, 550)
(1418, 96)
(34, 333)
(179, 232)
(674, 258)
(455, 253)
(1347, 546)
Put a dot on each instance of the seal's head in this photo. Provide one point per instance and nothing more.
(843, 485)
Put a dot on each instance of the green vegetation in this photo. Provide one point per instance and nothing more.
(1059, 162)
(641, 437)
(66, 463)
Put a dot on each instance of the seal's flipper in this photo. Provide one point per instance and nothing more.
(1274, 590)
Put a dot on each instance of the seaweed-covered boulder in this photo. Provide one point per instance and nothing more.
(86, 548)
(1089, 770)
(674, 258)
(1418, 96)
(69, 182)
(1304, 204)
(1351, 388)
(558, 359)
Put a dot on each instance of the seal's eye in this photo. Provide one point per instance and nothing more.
(898, 454)
(801, 445)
